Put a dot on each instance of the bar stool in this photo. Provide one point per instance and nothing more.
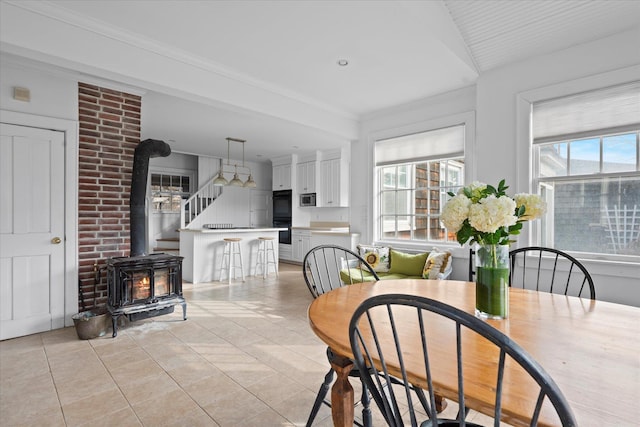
(266, 256)
(230, 253)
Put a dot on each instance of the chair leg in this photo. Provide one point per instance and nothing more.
(423, 401)
(366, 407)
(322, 393)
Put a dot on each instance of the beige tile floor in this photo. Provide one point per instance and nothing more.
(245, 357)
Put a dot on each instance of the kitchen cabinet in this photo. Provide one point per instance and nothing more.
(285, 252)
(345, 240)
(282, 177)
(334, 183)
(300, 244)
(306, 177)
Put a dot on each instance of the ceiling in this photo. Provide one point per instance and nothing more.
(267, 72)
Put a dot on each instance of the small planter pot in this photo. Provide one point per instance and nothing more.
(92, 324)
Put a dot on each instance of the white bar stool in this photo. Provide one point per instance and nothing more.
(229, 255)
(266, 256)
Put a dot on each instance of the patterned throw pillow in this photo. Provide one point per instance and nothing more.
(437, 265)
(376, 256)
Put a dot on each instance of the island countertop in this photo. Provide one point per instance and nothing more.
(231, 230)
(202, 250)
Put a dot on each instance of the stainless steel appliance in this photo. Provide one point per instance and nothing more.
(308, 199)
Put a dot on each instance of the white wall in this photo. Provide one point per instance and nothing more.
(496, 154)
(52, 94)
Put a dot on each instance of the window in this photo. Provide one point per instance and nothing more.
(167, 191)
(588, 170)
(415, 172)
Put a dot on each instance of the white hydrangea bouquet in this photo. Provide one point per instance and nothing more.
(487, 216)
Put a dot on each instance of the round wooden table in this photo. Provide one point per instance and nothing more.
(591, 349)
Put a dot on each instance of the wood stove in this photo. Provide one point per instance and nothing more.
(144, 286)
(141, 285)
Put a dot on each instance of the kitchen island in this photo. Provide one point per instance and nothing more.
(202, 250)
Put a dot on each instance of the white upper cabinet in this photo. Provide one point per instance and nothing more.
(282, 172)
(306, 177)
(282, 177)
(334, 180)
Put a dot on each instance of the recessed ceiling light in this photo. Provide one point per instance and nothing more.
(342, 62)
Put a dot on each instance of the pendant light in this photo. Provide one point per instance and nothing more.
(220, 180)
(236, 182)
(250, 182)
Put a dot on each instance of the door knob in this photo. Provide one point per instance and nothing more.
(56, 240)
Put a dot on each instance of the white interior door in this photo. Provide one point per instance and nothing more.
(261, 208)
(32, 238)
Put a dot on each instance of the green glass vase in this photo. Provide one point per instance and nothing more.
(492, 281)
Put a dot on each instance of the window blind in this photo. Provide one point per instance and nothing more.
(609, 110)
(424, 146)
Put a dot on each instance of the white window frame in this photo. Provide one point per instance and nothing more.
(168, 171)
(410, 189)
(525, 150)
(465, 118)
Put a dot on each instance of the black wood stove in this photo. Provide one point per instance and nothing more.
(141, 285)
(144, 286)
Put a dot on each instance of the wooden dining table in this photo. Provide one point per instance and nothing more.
(590, 348)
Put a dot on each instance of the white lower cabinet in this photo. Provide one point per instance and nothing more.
(300, 244)
(285, 252)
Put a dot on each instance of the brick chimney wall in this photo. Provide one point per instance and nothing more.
(109, 133)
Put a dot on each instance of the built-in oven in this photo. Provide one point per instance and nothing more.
(284, 235)
(282, 208)
(282, 204)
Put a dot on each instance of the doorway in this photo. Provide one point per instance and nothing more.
(38, 267)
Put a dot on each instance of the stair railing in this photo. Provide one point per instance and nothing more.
(198, 202)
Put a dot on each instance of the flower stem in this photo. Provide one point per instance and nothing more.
(494, 256)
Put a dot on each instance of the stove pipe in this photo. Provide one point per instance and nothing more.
(137, 225)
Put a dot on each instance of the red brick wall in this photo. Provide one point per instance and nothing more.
(109, 133)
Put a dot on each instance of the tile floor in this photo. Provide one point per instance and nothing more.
(245, 357)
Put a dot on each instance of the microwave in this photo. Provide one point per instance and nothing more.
(308, 199)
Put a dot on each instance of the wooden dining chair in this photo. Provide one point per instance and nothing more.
(321, 269)
(327, 267)
(549, 270)
(472, 265)
(388, 331)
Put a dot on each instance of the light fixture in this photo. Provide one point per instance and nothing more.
(250, 182)
(220, 179)
(236, 181)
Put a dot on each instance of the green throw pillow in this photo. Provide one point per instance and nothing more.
(409, 264)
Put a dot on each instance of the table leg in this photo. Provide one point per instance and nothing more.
(342, 393)
(441, 403)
